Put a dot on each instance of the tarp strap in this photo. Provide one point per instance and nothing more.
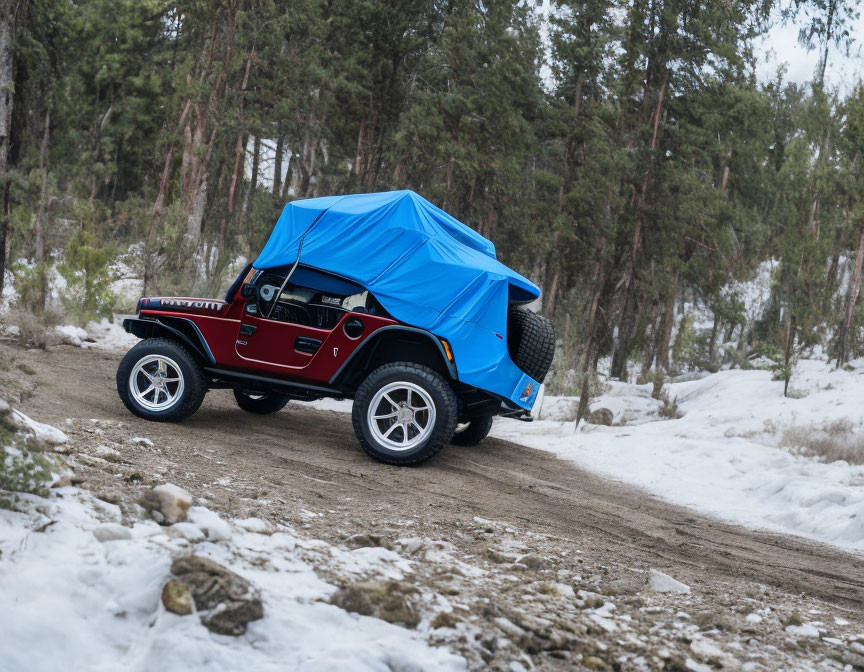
(299, 250)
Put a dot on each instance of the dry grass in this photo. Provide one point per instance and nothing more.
(32, 331)
(829, 442)
(669, 410)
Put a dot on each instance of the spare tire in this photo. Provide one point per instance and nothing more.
(531, 342)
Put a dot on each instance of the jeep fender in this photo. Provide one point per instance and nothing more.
(403, 344)
(178, 329)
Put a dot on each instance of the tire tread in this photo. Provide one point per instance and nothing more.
(531, 341)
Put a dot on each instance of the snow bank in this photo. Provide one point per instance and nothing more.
(67, 597)
(46, 433)
(724, 456)
(102, 335)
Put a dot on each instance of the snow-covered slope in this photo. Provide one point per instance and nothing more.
(726, 456)
(70, 601)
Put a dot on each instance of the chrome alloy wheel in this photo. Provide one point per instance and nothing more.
(401, 416)
(156, 382)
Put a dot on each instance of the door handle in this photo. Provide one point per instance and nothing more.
(306, 344)
(247, 329)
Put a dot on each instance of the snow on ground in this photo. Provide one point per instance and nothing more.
(42, 432)
(70, 600)
(724, 456)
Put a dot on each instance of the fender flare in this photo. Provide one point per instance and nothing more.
(153, 327)
(370, 341)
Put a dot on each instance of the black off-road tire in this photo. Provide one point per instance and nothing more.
(194, 381)
(435, 386)
(531, 342)
(262, 403)
(474, 433)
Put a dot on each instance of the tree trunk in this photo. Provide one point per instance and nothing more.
(358, 159)
(627, 319)
(851, 299)
(39, 223)
(277, 162)
(166, 169)
(7, 31)
(253, 184)
(667, 324)
(589, 360)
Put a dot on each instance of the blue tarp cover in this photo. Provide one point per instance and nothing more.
(425, 267)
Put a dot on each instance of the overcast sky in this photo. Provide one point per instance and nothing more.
(780, 45)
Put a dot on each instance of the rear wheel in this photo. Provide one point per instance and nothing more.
(472, 432)
(404, 413)
(262, 403)
(159, 380)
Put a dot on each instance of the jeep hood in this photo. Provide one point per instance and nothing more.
(425, 267)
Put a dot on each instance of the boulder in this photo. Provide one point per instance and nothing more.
(601, 416)
(177, 598)
(367, 541)
(391, 601)
(225, 601)
(171, 501)
(535, 562)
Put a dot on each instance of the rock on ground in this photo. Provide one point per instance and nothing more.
(225, 600)
(663, 583)
(600, 416)
(169, 500)
(388, 600)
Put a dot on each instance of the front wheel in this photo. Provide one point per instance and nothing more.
(159, 380)
(404, 413)
(472, 432)
(262, 403)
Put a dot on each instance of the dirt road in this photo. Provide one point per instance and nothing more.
(301, 461)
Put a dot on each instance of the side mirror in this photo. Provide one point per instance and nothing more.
(248, 291)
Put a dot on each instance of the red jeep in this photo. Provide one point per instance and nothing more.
(382, 298)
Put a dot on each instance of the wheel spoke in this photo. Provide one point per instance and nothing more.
(156, 382)
(403, 413)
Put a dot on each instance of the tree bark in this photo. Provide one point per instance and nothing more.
(39, 222)
(851, 299)
(590, 360)
(667, 324)
(166, 169)
(277, 163)
(358, 159)
(8, 17)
